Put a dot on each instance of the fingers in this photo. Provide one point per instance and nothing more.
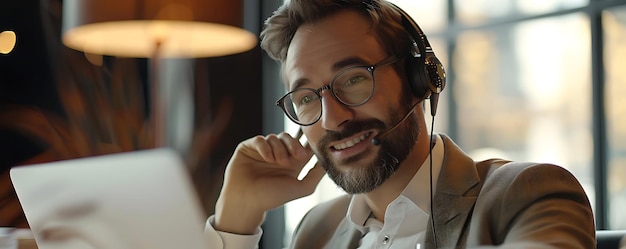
(281, 149)
(293, 146)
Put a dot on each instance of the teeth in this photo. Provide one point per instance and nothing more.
(348, 144)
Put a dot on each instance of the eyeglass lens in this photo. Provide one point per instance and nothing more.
(351, 87)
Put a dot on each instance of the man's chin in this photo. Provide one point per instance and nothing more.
(354, 179)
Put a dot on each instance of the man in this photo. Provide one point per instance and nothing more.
(356, 72)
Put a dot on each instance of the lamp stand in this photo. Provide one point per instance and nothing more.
(157, 107)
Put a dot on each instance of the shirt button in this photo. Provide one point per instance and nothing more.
(386, 239)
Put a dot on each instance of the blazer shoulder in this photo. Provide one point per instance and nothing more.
(319, 224)
(502, 169)
(533, 201)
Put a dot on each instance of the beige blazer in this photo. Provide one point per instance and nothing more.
(479, 204)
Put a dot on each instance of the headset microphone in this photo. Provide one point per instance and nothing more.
(377, 138)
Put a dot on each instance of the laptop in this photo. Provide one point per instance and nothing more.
(130, 200)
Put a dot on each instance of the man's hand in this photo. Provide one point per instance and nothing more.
(262, 175)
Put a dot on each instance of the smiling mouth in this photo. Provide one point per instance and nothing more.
(350, 143)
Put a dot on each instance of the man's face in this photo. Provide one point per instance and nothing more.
(342, 137)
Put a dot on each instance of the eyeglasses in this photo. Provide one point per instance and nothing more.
(353, 86)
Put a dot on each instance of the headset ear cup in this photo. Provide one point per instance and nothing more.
(435, 74)
(416, 76)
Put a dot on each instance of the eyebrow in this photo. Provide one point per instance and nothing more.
(350, 61)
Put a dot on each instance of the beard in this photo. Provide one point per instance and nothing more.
(392, 150)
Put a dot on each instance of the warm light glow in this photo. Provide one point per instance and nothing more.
(179, 39)
(7, 41)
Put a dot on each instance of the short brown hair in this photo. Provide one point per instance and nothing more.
(282, 25)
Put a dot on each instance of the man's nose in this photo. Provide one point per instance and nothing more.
(334, 113)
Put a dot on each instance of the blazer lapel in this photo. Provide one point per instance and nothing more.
(455, 197)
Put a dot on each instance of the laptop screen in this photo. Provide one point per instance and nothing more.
(141, 199)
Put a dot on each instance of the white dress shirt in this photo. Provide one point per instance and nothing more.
(406, 217)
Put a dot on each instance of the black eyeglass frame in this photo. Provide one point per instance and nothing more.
(386, 61)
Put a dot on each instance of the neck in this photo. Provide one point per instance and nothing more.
(379, 198)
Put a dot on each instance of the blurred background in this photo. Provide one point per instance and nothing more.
(59, 103)
(531, 80)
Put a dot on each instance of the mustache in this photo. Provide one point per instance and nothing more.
(349, 129)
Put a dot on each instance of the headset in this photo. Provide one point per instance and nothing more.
(425, 73)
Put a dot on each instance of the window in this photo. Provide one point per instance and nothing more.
(486, 11)
(614, 25)
(522, 93)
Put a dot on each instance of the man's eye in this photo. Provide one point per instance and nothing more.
(307, 99)
(354, 80)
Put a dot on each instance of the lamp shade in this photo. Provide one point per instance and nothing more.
(134, 28)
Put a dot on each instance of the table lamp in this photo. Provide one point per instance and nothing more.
(156, 29)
